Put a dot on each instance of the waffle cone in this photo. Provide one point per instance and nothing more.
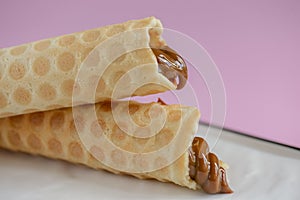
(70, 135)
(43, 75)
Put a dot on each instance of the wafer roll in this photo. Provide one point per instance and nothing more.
(149, 150)
(43, 75)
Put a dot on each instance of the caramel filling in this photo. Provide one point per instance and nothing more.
(205, 168)
(171, 65)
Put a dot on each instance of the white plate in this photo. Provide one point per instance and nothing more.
(258, 170)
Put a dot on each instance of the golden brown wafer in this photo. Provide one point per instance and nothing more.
(41, 75)
(53, 134)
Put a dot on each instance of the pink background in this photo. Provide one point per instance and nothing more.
(255, 44)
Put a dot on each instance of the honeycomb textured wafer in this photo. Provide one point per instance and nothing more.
(41, 75)
(54, 134)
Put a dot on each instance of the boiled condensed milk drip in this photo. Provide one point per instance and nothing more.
(205, 168)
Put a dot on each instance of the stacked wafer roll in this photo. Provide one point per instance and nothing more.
(41, 75)
(53, 134)
(46, 106)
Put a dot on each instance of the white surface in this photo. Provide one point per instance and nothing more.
(258, 170)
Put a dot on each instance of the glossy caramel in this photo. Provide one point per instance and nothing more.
(205, 168)
(171, 65)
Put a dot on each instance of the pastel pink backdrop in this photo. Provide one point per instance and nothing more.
(255, 44)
